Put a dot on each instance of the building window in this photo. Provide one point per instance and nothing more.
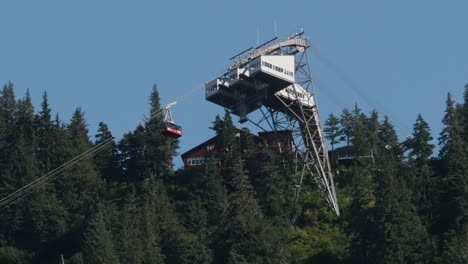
(195, 161)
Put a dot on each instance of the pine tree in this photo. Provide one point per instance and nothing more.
(448, 131)
(145, 152)
(10, 176)
(210, 189)
(226, 132)
(372, 130)
(131, 156)
(362, 218)
(421, 149)
(78, 186)
(159, 149)
(274, 189)
(332, 130)
(454, 155)
(346, 122)
(100, 247)
(164, 236)
(106, 161)
(26, 144)
(131, 246)
(198, 224)
(400, 236)
(248, 237)
(8, 107)
(453, 208)
(386, 134)
(421, 178)
(359, 132)
(45, 132)
(465, 114)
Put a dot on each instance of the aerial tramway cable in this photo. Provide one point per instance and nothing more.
(39, 182)
(43, 180)
(351, 84)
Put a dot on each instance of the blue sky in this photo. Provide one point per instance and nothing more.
(401, 57)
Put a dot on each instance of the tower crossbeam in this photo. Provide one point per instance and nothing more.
(275, 78)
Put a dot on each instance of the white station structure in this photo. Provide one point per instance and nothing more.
(275, 79)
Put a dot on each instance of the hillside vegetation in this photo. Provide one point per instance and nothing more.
(404, 204)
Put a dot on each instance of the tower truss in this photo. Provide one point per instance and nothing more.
(275, 78)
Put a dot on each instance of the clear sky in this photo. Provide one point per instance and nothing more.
(401, 57)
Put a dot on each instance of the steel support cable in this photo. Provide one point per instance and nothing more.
(66, 164)
(350, 83)
(39, 182)
(23, 191)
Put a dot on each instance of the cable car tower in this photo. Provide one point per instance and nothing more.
(275, 78)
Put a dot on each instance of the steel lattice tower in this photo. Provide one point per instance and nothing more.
(275, 78)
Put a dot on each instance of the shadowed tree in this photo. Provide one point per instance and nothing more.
(106, 160)
(420, 180)
(400, 236)
(346, 122)
(332, 130)
(100, 247)
(78, 186)
(159, 148)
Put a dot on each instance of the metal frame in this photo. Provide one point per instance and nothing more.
(304, 123)
(281, 113)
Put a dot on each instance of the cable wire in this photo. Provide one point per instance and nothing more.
(350, 83)
(43, 180)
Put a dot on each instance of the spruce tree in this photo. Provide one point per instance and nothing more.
(8, 107)
(453, 207)
(448, 131)
(45, 132)
(465, 114)
(209, 187)
(159, 149)
(372, 129)
(386, 134)
(164, 235)
(454, 157)
(131, 247)
(346, 122)
(11, 177)
(400, 236)
(106, 161)
(26, 144)
(360, 137)
(197, 222)
(421, 178)
(332, 130)
(273, 186)
(146, 153)
(100, 246)
(248, 237)
(131, 155)
(78, 186)
(362, 217)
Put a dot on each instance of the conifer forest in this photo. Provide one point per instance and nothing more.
(400, 202)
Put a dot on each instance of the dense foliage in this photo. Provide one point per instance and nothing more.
(400, 203)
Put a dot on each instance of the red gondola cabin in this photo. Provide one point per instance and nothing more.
(171, 130)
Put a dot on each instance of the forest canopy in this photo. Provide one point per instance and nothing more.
(400, 202)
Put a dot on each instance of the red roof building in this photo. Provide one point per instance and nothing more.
(197, 155)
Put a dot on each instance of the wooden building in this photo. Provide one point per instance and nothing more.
(280, 141)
